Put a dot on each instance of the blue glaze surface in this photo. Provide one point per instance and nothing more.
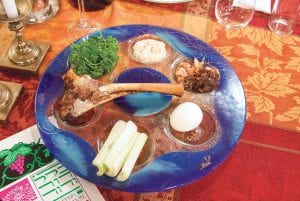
(146, 103)
(167, 171)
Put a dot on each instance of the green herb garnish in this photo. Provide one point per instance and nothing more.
(95, 56)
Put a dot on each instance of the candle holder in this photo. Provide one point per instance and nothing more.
(9, 92)
(5, 96)
(22, 54)
(40, 14)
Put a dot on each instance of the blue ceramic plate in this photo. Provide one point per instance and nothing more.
(174, 167)
(147, 103)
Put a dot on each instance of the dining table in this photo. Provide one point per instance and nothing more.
(265, 163)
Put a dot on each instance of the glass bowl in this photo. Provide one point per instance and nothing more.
(232, 15)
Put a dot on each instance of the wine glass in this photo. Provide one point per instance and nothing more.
(232, 14)
(84, 26)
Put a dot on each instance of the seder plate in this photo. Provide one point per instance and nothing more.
(171, 163)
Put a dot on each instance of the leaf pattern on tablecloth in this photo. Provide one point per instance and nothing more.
(288, 40)
(226, 52)
(198, 7)
(294, 62)
(258, 37)
(22, 114)
(111, 195)
(270, 77)
(272, 84)
(250, 50)
(292, 114)
(213, 32)
(162, 196)
(253, 63)
(273, 64)
(261, 103)
(27, 103)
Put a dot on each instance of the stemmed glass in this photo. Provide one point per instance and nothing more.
(84, 26)
(234, 14)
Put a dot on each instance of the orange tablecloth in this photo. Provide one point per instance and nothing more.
(265, 164)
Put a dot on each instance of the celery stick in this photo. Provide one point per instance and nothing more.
(102, 154)
(121, 158)
(120, 144)
(132, 157)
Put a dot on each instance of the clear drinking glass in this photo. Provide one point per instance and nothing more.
(234, 14)
(84, 26)
(284, 15)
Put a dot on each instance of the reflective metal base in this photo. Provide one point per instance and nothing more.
(9, 92)
(31, 67)
(28, 54)
(5, 96)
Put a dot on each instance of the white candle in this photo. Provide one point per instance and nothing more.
(10, 8)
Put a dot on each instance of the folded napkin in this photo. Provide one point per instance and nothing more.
(260, 5)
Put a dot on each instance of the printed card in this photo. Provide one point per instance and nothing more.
(29, 172)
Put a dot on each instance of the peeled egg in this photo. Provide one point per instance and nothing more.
(186, 117)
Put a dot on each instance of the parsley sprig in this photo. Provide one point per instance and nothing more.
(95, 56)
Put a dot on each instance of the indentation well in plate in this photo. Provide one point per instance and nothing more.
(143, 103)
(205, 136)
(209, 75)
(163, 62)
(208, 133)
(85, 120)
(146, 155)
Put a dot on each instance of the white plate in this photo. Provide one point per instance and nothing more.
(167, 1)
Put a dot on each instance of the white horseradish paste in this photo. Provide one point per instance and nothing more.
(149, 50)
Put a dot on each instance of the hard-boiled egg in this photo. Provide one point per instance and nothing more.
(186, 117)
